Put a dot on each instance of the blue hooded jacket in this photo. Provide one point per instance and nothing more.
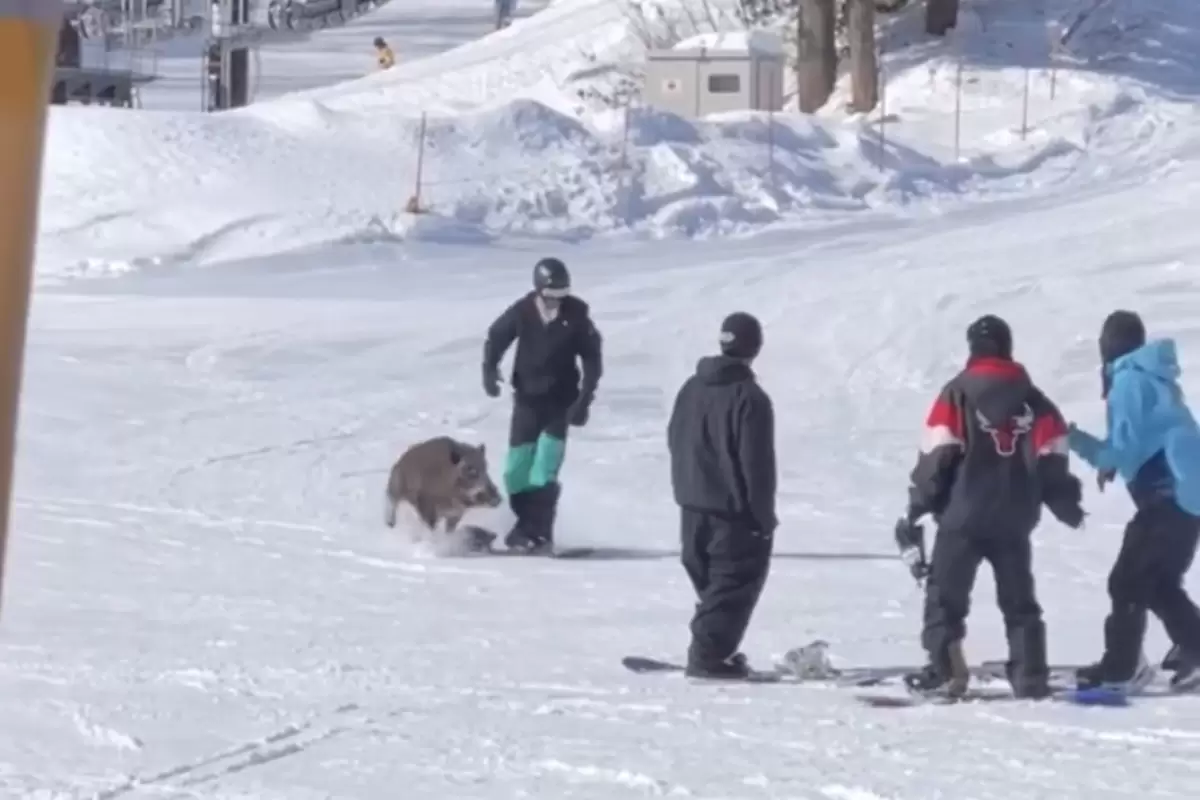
(1153, 439)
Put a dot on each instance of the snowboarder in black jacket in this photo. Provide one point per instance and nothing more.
(994, 451)
(553, 331)
(721, 437)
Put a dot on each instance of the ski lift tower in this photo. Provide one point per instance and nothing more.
(128, 33)
(226, 59)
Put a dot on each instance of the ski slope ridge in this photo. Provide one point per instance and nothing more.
(509, 151)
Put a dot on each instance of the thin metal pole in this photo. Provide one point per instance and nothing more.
(420, 159)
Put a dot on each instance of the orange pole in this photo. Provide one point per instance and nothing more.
(28, 41)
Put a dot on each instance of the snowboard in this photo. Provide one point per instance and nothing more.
(1062, 688)
(810, 664)
(560, 553)
(807, 664)
(1062, 694)
(482, 542)
(645, 664)
(973, 695)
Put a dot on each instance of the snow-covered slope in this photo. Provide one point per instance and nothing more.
(510, 149)
(205, 602)
(203, 599)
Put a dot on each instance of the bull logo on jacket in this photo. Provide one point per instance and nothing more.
(1007, 434)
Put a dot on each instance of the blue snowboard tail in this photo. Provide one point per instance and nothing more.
(1098, 696)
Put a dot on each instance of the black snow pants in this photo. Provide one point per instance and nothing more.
(727, 563)
(1156, 553)
(953, 566)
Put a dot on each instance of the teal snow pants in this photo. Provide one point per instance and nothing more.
(537, 443)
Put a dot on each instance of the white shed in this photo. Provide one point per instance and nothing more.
(716, 72)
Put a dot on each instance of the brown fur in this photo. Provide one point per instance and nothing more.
(442, 478)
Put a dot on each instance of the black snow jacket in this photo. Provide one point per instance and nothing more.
(721, 436)
(994, 450)
(544, 368)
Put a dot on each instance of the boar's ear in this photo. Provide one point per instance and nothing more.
(482, 449)
(455, 456)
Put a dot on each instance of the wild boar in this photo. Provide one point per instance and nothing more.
(442, 478)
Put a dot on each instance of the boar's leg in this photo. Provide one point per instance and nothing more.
(427, 511)
(389, 512)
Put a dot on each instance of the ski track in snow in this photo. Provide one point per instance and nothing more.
(203, 601)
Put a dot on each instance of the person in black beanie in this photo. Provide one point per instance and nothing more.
(994, 450)
(1153, 443)
(721, 437)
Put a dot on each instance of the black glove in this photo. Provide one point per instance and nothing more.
(579, 412)
(1067, 503)
(910, 538)
(491, 380)
(1105, 477)
(1072, 516)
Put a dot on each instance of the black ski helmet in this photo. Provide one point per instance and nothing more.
(1121, 334)
(550, 273)
(990, 337)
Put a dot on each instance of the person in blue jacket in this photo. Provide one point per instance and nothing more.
(1153, 444)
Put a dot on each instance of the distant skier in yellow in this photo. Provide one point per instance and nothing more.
(383, 54)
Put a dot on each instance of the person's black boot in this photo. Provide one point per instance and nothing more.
(547, 514)
(1028, 671)
(1186, 669)
(1101, 675)
(736, 667)
(536, 529)
(1173, 659)
(523, 534)
(945, 675)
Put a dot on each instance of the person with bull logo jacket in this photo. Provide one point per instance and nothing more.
(994, 451)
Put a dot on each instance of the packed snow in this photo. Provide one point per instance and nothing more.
(756, 41)
(236, 331)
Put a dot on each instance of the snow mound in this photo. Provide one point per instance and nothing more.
(518, 153)
(199, 190)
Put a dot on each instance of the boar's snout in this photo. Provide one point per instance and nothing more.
(488, 495)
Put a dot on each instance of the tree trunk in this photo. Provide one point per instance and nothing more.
(864, 66)
(816, 56)
(941, 16)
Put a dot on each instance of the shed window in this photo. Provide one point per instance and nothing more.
(724, 84)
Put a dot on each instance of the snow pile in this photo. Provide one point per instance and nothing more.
(340, 164)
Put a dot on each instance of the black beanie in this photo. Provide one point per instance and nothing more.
(1122, 333)
(741, 336)
(990, 337)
